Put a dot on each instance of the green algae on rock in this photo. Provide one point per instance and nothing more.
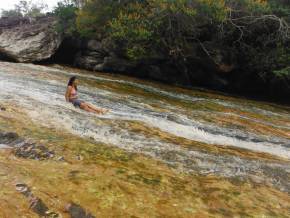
(161, 152)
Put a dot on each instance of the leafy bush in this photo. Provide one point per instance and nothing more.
(256, 32)
(283, 73)
(92, 21)
(66, 15)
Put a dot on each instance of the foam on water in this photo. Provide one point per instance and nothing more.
(42, 99)
(184, 159)
(134, 84)
(172, 94)
(2, 146)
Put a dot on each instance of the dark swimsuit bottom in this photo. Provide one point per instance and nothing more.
(76, 102)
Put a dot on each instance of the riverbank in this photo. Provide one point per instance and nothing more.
(35, 41)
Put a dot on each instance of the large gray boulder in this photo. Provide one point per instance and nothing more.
(28, 40)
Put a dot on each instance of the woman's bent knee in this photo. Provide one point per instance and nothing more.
(83, 105)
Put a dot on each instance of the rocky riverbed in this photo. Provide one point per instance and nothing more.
(160, 152)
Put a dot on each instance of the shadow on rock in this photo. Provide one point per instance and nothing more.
(76, 211)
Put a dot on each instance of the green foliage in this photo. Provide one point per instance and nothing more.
(147, 28)
(93, 19)
(11, 13)
(283, 73)
(283, 59)
(30, 9)
(257, 31)
(175, 29)
(179, 6)
(133, 30)
(280, 7)
(215, 10)
(66, 15)
(257, 7)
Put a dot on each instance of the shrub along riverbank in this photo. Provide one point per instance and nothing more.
(240, 46)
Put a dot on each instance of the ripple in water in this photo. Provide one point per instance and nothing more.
(43, 101)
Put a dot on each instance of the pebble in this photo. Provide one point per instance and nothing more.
(79, 157)
(61, 158)
(23, 189)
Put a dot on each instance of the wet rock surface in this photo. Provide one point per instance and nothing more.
(25, 149)
(10, 138)
(133, 162)
(38, 206)
(76, 211)
(33, 151)
(35, 203)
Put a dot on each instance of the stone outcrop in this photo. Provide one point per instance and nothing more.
(27, 39)
(33, 151)
(35, 203)
(27, 149)
(93, 55)
(97, 56)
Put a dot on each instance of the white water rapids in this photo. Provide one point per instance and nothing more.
(39, 92)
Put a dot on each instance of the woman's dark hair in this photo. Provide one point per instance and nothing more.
(71, 82)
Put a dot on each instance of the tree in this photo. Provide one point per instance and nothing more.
(29, 9)
(66, 15)
(255, 32)
(94, 16)
(80, 3)
(11, 13)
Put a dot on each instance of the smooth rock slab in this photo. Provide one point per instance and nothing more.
(76, 211)
(29, 40)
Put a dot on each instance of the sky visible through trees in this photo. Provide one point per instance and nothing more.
(7, 5)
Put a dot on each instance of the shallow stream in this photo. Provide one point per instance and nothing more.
(193, 131)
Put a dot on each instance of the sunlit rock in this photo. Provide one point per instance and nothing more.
(27, 40)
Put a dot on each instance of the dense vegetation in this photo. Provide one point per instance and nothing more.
(252, 34)
(251, 37)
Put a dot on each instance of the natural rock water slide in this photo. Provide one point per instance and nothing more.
(206, 153)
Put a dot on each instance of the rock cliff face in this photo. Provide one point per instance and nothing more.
(28, 40)
(94, 55)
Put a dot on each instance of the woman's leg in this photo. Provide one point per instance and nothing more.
(85, 107)
(98, 110)
(89, 108)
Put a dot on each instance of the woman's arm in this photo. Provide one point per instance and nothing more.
(67, 94)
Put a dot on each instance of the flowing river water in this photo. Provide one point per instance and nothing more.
(192, 131)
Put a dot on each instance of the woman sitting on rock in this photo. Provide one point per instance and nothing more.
(71, 96)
